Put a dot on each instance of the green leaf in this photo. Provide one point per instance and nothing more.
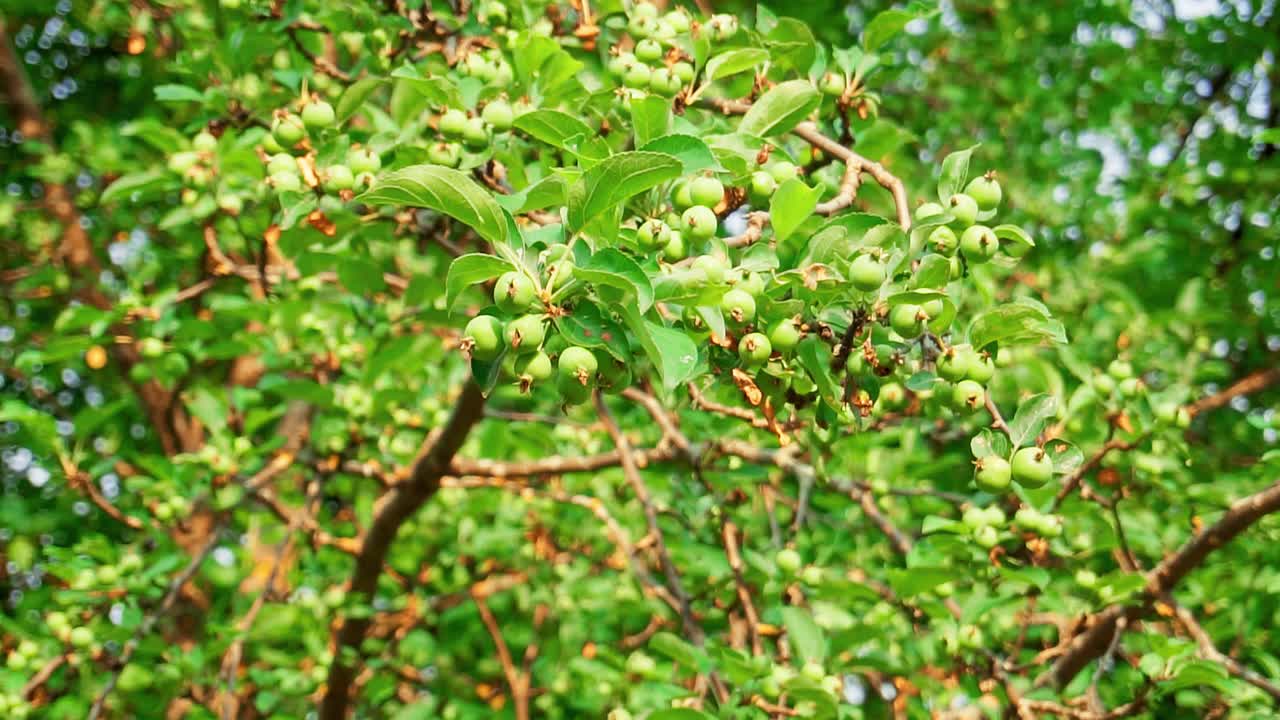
(178, 93)
(804, 634)
(988, 442)
(888, 23)
(1034, 576)
(143, 182)
(1014, 234)
(1021, 321)
(1270, 136)
(955, 170)
(551, 191)
(611, 267)
(910, 582)
(672, 353)
(39, 430)
(680, 714)
(780, 109)
(734, 62)
(791, 204)
(360, 276)
(585, 325)
(693, 153)
(614, 180)
(1067, 458)
(468, 270)
(444, 190)
(562, 130)
(677, 649)
(815, 356)
(438, 91)
(1032, 416)
(650, 118)
(355, 95)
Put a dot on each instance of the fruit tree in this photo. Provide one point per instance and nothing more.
(600, 358)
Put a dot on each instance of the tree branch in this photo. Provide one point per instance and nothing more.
(1093, 642)
(432, 464)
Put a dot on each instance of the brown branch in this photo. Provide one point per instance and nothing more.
(1093, 641)
(554, 465)
(516, 680)
(170, 596)
(1251, 383)
(855, 164)
(997, 419)
(432, 464)
(1089, 465)
(632, 473)
(756, 222)
(729, 532)
(43, 674)
(1210, 652)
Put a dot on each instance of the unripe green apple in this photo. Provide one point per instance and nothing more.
(514, 292)
(499, 114)
(967, 396)
(1032, 467)
(181, 162)
(782, 171)
(81, 637)
(288, 129)
(788, 561)
(638, 663)
(754, 349)
(979, 244)
(678, 20)
(892, 397)
(637, 76)
(648, 50)
(785, 335)
(981, 367)
(699, 222)
(683, 72)
(453, 123)
(282, 163)
(710, 265)
(739, 305)
(483, 337)
(953, 364)
(706, 190)
(577, 364)
(987, 537)
(832, 84)
(475, 135)
(318, 115)
(762, 186)
(985, 191)
(663, 82)
(907, 320)
(675, 249)
(943, 240)
(444, 153)
(338, 178)
(525, 334)
(866, 273)
(992, 474)
(619, 63)
(204, 142)
(653, 234)
(964, 209)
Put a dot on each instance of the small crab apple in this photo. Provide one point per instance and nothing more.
(754, 349)
(981, 367)
(867, 273)
(498, 114)
(785, 335)
(338, 178)
(653, 234)
(782, 171)
(577, 365)
(675, 249)
(706, 190)
(953, 364)
(637, 76)
(614, 375)
(985, 190)
(762, 186)
(476, 134)
(892, 396)
(533, 368)
(363, 160)
(992, 473)
(445, 153)
(979, 244)
(287, 129)
(964, 209)
(683, 71)
(943, 240)
(967, 396)
(204, 141)
(739, 305)
(1032, 467)
(453, 123)
(318, 115)
(664, 82)
(788, 561)
(648, 50)
(482, 338)
(832, 84)
(908, 320)
(514, 292)
(525, 333)
(699, 222)
(713, 266)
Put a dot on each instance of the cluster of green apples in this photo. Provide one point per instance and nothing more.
(966, 235)
(473, 131)
(651, 66)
